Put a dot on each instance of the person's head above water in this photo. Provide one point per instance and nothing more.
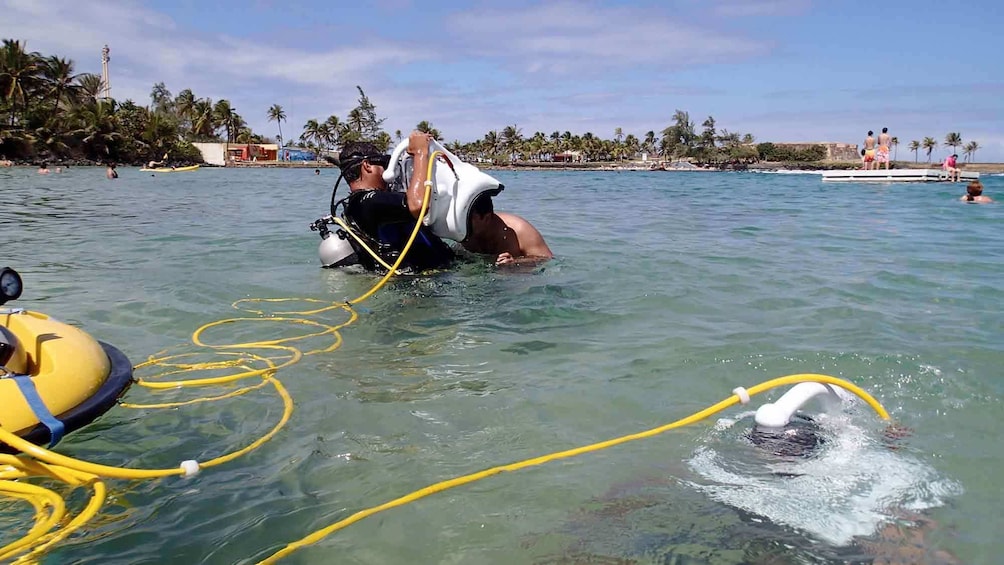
(973, 190)
(362, 166)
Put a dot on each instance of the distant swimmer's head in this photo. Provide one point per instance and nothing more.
(885, 130)
(362, 165)
(870, 132)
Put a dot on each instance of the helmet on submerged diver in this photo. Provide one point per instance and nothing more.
(801, 437)
(455, 188)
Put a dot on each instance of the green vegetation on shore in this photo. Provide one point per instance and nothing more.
(47, 112)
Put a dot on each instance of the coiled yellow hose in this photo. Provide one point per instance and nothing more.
(35, 461)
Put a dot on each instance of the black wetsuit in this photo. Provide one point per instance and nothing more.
(383, 217)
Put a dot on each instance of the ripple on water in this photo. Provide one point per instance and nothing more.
(650, 312)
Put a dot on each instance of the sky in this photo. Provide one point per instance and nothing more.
(783, 70)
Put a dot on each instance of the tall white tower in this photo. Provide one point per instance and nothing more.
(106, 85)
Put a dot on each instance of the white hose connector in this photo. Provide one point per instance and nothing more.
(190, 467)
(742, 393)
(779, 413)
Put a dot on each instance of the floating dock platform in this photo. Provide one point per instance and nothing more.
(895, 175)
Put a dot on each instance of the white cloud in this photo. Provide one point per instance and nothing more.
(750, 8)
(574, 38)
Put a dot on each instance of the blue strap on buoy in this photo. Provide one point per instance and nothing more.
(55, 426)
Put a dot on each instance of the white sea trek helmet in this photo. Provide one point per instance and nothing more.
(336, 251)
(454, 192)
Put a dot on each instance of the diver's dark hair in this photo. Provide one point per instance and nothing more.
(870, 132)
(885, 130)
(483, 204)
(351, 156)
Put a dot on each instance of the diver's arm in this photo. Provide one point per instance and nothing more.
(418, 148)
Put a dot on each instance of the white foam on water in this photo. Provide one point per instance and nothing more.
(847, 489)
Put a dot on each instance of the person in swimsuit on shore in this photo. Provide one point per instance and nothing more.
(974, 193)
(869, 150)
(882, 156)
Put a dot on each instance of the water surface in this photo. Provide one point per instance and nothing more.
(669, 290)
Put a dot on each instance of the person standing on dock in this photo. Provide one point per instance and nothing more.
(882, 156)
(869, 150)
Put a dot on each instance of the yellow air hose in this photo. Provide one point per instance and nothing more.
(473, 477)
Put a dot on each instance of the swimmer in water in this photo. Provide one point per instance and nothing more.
(974, 193)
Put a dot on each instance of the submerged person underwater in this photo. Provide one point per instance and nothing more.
(511, 238)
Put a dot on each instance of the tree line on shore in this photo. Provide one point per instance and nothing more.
(51, 112)
(679, 140)
(952, 139)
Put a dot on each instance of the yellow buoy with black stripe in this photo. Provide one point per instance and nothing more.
(55, 378)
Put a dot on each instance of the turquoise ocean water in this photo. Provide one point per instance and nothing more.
(669, 290)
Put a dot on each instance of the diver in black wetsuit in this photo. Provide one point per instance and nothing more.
(383, 218)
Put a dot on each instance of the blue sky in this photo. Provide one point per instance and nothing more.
(784, 70)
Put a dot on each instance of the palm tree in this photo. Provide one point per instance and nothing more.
(335, 128)
(953, 140)
(99, 135)
(18, 72)
(895, 146)
(511, 136)
(970, 150)
(492, 143)
(312, 132)
(90, 86)
(382, 141)
(915, 147)
(427, 127)
(929, 144)
(203, 120)
(356, 119)
(226, 117)
(648, 145)
(184, 105)
(58, 74)
(277, 115)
